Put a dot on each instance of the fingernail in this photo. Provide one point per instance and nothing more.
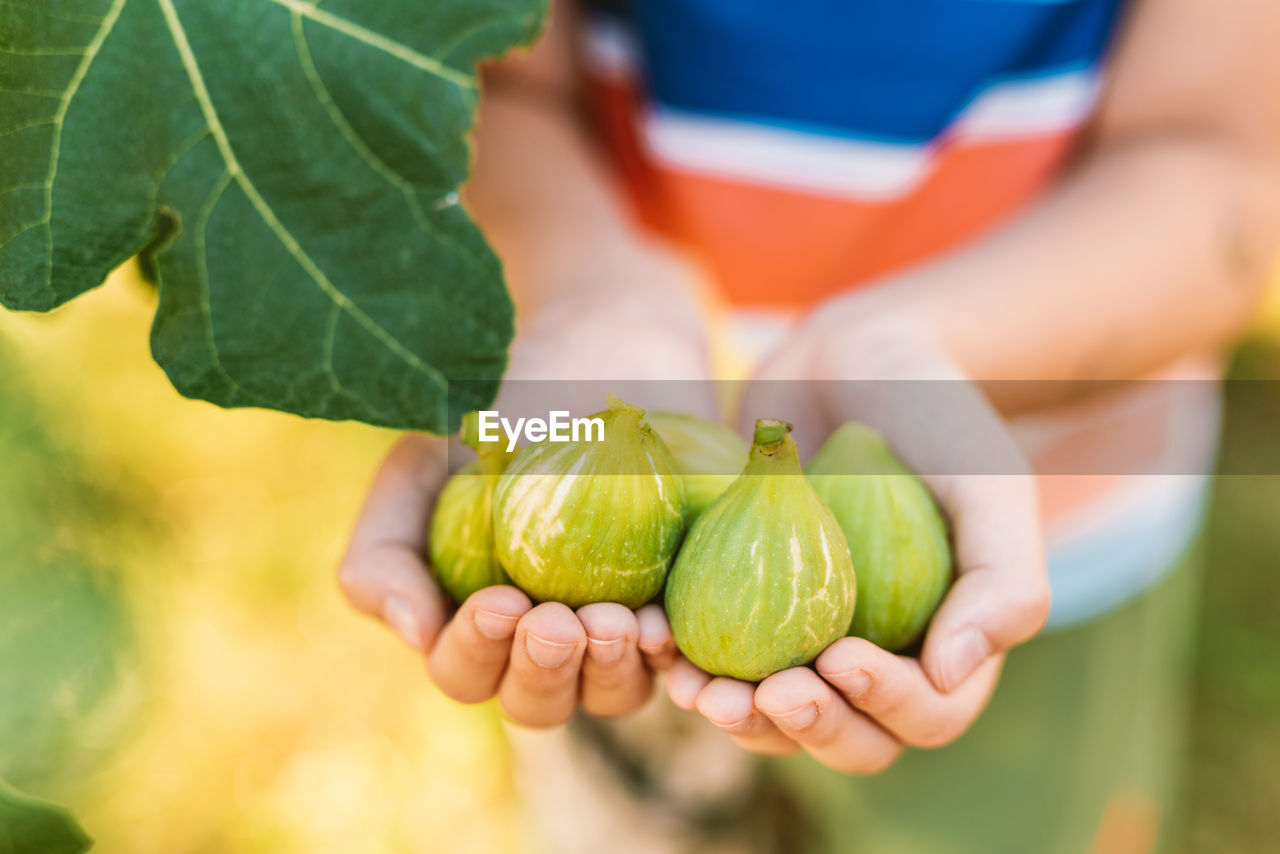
(731, 725)
(545, 653)
(399, 615)
(493, 625)
(606, 652)
(801, 718)
(853, 683)
(962, 656)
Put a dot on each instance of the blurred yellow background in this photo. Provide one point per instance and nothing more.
(256, 713)
(260, 714)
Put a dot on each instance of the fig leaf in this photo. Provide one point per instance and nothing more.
(288, 172)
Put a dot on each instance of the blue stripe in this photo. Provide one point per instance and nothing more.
(890, 70)
(862, 136)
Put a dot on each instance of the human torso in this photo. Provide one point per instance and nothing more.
(806, 148)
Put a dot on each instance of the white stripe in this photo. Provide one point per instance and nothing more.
(855, 168)
(826, 165)
(835, 166)
(1029, 107)
(760, 154)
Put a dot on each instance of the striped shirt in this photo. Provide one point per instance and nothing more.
(808, 148)
(803, 148)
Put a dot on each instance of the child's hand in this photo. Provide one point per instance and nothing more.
(539, 661)
(542, 661)
(860, 705)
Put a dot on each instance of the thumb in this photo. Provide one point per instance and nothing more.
(384, 573)
(1001, 595)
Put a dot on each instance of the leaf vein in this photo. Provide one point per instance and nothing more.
(21, 231)
(363, 150)
(163, 173)
(269, 216)
(41, 51)
(45, 13)
(18, 188)
(52, 94)
(20, 128)
(379, 42)
(202, 269)
(330, 339)
(90, 53)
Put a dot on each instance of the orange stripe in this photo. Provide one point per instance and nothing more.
(769, 246)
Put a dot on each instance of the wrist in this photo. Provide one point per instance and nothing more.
(874, 335)
(645, 284)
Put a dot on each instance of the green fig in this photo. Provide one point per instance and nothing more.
(592, 521)
(461, 550)
(896, 534)
(708, 456)
(764, 580)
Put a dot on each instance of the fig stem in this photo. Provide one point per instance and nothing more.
(618, 406)
(493, 456)
(769, 434)
(470, 431)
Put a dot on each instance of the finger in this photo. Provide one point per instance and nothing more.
(615, 680)
(730, 705)
(656, 641)
(540, 688)
(1001, 595)
(383, 574)
(895, 692)
(810, 712)
(469, 659)
(685, 682)
(949, 432)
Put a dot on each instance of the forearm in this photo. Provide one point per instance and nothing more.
(1148, 251)
(545, 198)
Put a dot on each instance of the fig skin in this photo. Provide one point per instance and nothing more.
(584, 522)
(708, 456)
(764, 580)
(461, 545)
(896, 534)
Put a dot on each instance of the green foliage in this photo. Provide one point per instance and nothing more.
(1230, 794)
(288, 170)
(30, 826)
(64, 632)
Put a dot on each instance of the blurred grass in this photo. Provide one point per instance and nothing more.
(1234, 770)
(264, 716)
(55, 597)
(256, 714)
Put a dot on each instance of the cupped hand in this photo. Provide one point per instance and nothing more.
(541, 661)
(859, 706)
